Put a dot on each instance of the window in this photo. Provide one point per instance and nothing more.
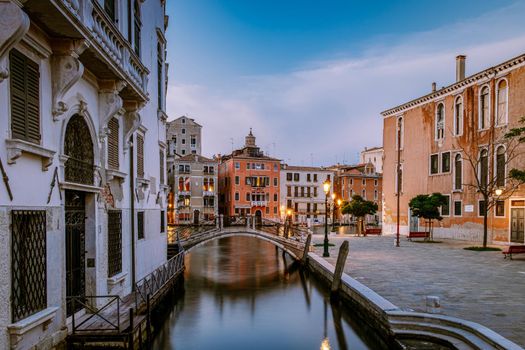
(25, 97)
(315, 192)
(113, 144)
(434, 164)
(183, 131)
(296, 176)
(351, 182)
(237, 180)
(183, 141)
(140, 225)
(275, 181)
(237, 165)
(328, 177)
(308, 177)
(445, 208)
(457, 208)
(137, 26)
(501, 116)
(440, 121)
(308, 189)
(109, 8)
(193, 141)
(315, 177)
(237, 197)
(500, 166)
(484, 116)
(28, 263)
(183, 120)
(267, 210)
(363, 194)
(375, 194)
(289, 176)
(275, 210)
(483, 168)
(248, 166)
(458, 172)
(247, 196)
(375, 183)
(296, 207)
(161, 160)
(275, 197)
(458, 116)
(481, 208)
(183, 152)
(140, 156)
(445, 162)
(302, 191)
(288, 191)
(296, 191)
(275, 168)
(363, 182)
(400, 132)
(114, 242)
(500, 208)
(315, 208)
(289, 204)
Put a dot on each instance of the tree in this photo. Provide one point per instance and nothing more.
(427, 206)
(496, 167)
(359, 208)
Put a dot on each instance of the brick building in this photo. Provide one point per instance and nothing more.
(249, 182)
(443, 134)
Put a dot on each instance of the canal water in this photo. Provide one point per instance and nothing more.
(243, 293)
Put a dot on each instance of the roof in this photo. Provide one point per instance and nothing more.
(195, 158)
(487, 73)
(305, 168)
(378, 148)
(183, 116)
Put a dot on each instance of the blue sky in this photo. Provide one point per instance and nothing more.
(311, 77)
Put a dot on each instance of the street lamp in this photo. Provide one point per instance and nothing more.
(498, 192)
(326, 188)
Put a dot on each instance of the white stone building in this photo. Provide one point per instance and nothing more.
(184, 137)
(372, 155)
(302, 192)
(82, 149)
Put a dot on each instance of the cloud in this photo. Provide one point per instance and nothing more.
(328, 111)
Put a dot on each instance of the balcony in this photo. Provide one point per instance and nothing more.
(208, 193)
(259, 203)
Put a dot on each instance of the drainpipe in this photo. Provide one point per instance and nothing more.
(132, 209)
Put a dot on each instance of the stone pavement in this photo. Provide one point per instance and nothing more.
(476, 286)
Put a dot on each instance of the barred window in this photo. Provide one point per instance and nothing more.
(114, 242)
(140, 156)
(28, 260)
(113, 144)
(25, 97)
(140, 225)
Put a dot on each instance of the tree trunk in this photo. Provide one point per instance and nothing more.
(485, 222)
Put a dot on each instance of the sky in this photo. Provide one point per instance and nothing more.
(312, 77)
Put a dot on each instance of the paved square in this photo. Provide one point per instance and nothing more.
(476, 286)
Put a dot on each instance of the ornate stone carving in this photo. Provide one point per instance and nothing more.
(132, 121)
(66, 70)
(110, 103)
(14, 23)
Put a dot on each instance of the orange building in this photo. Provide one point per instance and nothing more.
(449, 140)
(249, 183)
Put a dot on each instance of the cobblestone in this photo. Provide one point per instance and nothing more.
(476, 286)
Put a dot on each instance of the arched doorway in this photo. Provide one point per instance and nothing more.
(196, 214)
(79, 169)
(258, 217)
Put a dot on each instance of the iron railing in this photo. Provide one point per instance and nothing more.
(183, 232)
(105, 314)
(285, 230)
(230, 221)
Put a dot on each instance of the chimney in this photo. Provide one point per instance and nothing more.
(434, 87)
(460, 67)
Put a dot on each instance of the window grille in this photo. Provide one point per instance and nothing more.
(78, 146)
(25, 97)
(114, 242)
(28, 260)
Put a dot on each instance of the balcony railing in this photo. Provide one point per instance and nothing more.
(259, 203)
(208, 193)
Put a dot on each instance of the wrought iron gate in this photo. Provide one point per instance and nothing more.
(75, 247)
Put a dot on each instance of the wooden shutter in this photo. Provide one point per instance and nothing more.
(113, 146)
(140, 156)
(25, 97)
(161, 157)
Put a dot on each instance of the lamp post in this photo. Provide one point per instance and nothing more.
(326, 188)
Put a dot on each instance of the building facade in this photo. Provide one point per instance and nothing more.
(362, 180)
(302, 192)
(193, 180)
(451, 140)
(82, 100)
(249, 183)
(372, 155)
(184, 137)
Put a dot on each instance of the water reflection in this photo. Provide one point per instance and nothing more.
(243, 293)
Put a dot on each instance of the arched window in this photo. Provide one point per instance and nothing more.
(399, 133)
(458, 116)
(211, 185)
(78, 147)
(484, 115)
(458, 172)
(205, 184)
(440, 122)
(483, 167)
(181, 184)
(187, 183)
(500, 166)
(501, 116)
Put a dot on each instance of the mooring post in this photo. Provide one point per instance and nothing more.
(221, 221)
(340, 266)
(306, 248)
(253, 222)
(217, 223)
(248, 218)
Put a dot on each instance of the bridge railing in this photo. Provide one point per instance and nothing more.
(285, 230)
(231, 221)
(183, 232)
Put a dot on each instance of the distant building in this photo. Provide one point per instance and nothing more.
(249, 182)
(447, 140)
(372, 155)
(193, 182)
(184, 137)
(302, 192)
